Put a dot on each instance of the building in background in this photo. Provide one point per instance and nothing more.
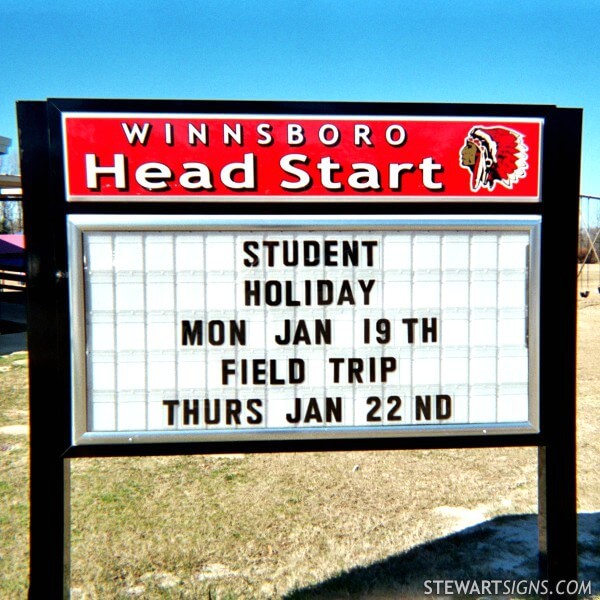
(12, 255)
(10, 181)
(11, 219)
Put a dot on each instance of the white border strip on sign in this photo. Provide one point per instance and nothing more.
(303, 198)
(78, 225)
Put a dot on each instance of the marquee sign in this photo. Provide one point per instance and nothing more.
(224, 276)
(191, 328)
(207, 157)
(188, 329)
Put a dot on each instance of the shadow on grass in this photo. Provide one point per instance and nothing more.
(503, 548)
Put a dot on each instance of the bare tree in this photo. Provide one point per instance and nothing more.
(11, 214)
(9, 163)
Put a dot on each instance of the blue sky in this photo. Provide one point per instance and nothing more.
(538, 52)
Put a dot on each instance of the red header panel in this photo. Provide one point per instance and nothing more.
(205, 157)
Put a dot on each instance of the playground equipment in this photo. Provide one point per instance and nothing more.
(588, 269)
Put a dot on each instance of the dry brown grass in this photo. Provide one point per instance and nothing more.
(588, 399)
(274, 523)
(14, 477)
(272, 526)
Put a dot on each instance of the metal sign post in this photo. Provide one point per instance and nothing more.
(47, 341)
(270, 277)
(557, 515)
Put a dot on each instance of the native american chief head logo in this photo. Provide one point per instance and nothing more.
(494, 155)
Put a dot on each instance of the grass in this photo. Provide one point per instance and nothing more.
(276, 524)
(297, 526)
(14, 479)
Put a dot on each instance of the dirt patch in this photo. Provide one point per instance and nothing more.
(14, 430)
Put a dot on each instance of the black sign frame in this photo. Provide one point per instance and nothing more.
(45, 216)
